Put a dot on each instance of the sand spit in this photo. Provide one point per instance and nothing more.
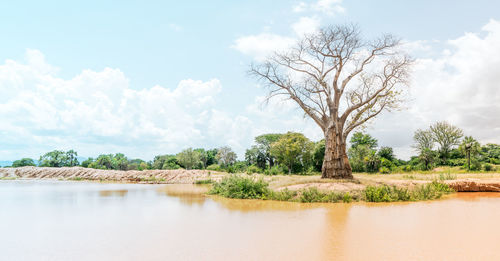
(178, 176)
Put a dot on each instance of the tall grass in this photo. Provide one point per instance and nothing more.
(433, 190)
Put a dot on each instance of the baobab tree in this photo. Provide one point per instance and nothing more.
(340, 81)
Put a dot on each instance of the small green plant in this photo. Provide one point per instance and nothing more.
(447, 176)
(433, 190)
(242, 187)
(409, 176)
(214, 167)
(152, 179)
(203, 181)
(76, 178)
(253, 169)
(384, 170)
(8, 178)
(282, 195)
(489, 167)
(347, 198)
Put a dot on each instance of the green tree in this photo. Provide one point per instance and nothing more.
(254, 156)
(23, 162)
(103, 161)
(71, 156)
(360, 138)
(203, 157)
(226, 156)
(491, 153)
(387, 153)
(358, 156)
(119, 161)
(424, 143)
(292, 148)
(264, 142)
(55, 158)
(469, 148)
(188, 158)
(86, 163)
(318, 154)
(447, 136)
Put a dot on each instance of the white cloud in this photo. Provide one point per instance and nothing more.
(461, 85)
(328, 7)
(261, 45)
(306, 25)
(300, 7)
(98, 112)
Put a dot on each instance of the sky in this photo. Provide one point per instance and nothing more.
(155, 77)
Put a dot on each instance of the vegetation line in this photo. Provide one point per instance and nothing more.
(247, 187)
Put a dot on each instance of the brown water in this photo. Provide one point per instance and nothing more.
(89, 221)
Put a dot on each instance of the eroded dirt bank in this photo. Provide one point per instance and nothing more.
(179, 176)
(475, 185)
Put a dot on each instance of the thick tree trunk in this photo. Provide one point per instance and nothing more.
(336, 163)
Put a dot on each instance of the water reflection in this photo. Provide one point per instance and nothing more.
(52, 221)
(113, 193)
(187, 193)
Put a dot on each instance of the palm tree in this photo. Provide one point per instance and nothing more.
(469, 147)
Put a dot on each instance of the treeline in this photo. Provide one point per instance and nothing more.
(293, 153)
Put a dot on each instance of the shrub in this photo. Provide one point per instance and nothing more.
(447, 176)
(253, 169)
(475, 165)
(384, 170)
(275, 170)
(283, 195)
(347, 198)
(311, 195)
(214, 167)
(407, 168)
(203, 181)
(433, 190)
(488, 167)
(386, 163)
(239, 186)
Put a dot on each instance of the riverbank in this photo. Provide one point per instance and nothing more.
(460, 182)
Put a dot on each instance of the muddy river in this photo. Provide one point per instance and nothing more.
(51, 220)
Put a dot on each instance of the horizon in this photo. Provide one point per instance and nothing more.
(151, 81)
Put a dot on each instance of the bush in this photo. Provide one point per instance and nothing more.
(214, 167)
(387, 163)
(456, 162)
(384, 170)
(275, 170)
(475, 165)
(407, 168)
(253, 169)
(283, 195)
(242, 187)
(313, 195)
(385, 193)
(488, 167)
